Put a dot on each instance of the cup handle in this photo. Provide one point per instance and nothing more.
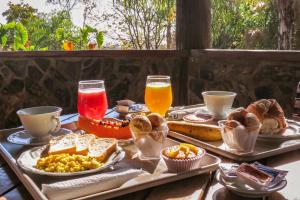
(57, 124)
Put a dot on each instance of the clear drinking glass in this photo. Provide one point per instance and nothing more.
(92, 100)
(158, 94)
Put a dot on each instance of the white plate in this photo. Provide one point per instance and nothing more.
(292, 132)
(204, 110)
(28, 160)
(245, 190)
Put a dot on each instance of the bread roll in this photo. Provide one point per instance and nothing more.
(270, 114)
(155, 119)
(140, 124)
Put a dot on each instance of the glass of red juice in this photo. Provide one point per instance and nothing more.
(92, 101)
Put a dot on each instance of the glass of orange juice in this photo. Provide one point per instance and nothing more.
(158, 94)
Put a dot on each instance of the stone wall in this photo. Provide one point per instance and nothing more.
(52, 80)
(250, 75)
(33, 81)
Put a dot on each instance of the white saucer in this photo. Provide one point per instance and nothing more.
(246, 191)
(23, 137)
(204, 111)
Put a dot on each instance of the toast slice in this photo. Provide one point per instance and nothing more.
(102, 148)
(83, 142)
(63, 144)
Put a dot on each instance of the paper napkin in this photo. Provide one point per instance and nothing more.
(79, 187)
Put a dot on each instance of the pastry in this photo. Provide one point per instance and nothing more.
(251, 120)
(241, 116)
(155, 119)
(204, 132)
(232, 123)
(270, 114)
(125, 102)
(238, 115)
(140, 124)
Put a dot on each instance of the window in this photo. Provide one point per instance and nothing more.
(87, 24)
(256, 24)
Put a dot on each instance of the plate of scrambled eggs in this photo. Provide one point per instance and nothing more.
(58, 158)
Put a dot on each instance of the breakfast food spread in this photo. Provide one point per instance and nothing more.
(182, 157)
(149, 133)
(204, 132)
(75, 152)
(270, 114)
(240, 130)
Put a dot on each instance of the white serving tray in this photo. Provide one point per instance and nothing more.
(157, 170)
(262, 148)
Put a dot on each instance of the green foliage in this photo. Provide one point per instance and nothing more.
(166, 9)
(46, 32)
(3, 37)
(85, 33)
(18, 33)
(244, 24)
(63, 28)
(84, 36)
(100, 39)
(19, 13)
(20, 37)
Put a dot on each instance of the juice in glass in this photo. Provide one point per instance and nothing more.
(158, 94)
(92, 100)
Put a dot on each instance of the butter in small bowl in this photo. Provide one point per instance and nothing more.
(253, 177)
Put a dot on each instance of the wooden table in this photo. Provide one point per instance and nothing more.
(198, 187)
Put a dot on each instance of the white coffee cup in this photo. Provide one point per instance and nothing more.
(40, 121)
(218, 103)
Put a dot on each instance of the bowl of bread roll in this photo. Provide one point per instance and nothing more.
(149, 133)
(240, 130)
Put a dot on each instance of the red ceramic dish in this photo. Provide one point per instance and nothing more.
(107, 131)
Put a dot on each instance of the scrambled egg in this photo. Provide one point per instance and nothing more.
(67, 163)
